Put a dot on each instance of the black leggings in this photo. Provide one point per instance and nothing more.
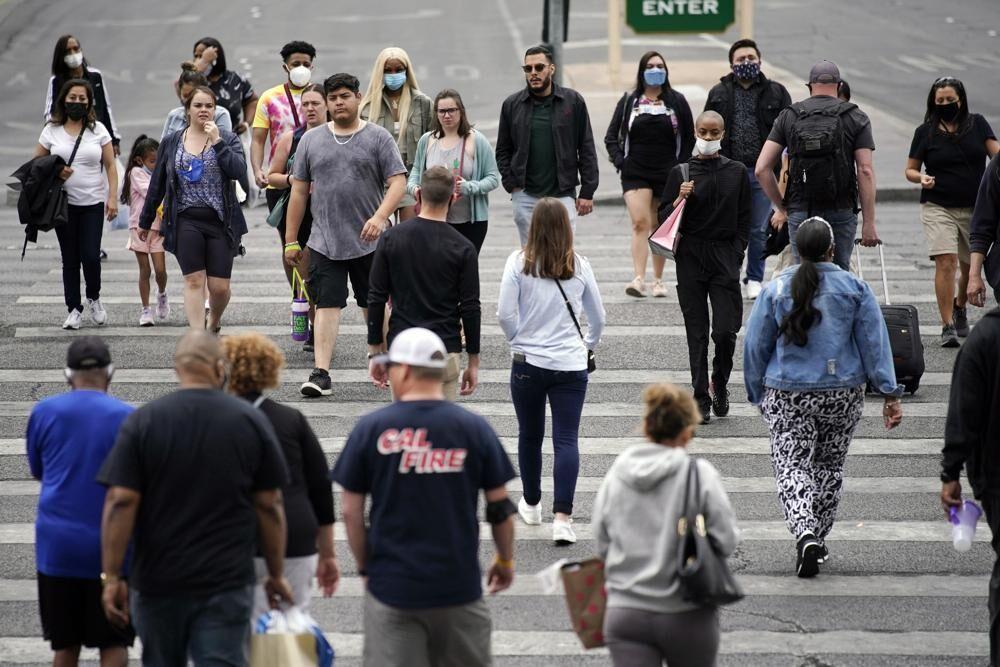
(474, 231)
(80, 244)
(202, 243)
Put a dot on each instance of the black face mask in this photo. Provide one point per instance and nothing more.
(76, 110)
(948, 112)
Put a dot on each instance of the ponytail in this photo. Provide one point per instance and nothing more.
(142, 146)
(814, 239)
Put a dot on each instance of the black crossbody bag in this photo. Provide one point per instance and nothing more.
(591, 361)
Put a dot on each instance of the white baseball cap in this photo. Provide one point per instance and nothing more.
(416, 347)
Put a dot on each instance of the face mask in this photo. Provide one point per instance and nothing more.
(149, 172)
(703, 147)
(73, 60)
(300, 76)
(747, 71)
(948, 112)
(76, 110)
(394, 81)
(655, 76)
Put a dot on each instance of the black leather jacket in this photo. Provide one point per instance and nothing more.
(773, 98)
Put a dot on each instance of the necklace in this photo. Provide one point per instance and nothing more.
(349, 139)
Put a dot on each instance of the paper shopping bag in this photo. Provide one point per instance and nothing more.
(664, 240)
(586, 600)
(287, 650)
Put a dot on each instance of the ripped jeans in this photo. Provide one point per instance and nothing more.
(530, 387)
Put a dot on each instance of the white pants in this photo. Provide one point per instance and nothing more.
(299, 572)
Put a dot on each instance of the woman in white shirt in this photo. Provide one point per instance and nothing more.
(91, 186)
(544, 289)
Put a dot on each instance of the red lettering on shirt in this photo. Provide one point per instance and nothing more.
(417, 453)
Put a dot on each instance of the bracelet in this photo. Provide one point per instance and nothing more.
(506, 564)
(292, 246)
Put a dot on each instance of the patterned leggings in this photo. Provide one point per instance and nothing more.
(810, 434)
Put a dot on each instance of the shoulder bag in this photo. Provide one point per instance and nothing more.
(704, 577)
(591, 361)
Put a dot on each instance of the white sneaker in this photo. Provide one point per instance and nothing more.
(146, 319)
(636, 288)
(659, 289)
(97, 312)
(562, 532)
(530, 514)
(73, 321)
(162, 306)
(753, 289)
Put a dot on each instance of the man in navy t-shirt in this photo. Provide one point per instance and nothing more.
(68, 438)
(424, 462)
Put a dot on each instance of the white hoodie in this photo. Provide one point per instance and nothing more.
(635, 524)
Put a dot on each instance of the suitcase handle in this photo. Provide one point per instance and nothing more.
(881, 259)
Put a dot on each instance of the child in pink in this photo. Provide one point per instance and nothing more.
(140, 165)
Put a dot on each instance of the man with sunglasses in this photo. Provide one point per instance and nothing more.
(545, 147)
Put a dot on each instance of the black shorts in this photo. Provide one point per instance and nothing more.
(637, 178)
(305, 228)
(327, 282)
(72, 614)
(202, 243)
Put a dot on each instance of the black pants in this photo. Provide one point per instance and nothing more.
(991, 506)
(710, 273)
(474, 231)
(80, 244)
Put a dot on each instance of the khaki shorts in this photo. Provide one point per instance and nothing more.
(947, 230)
(452, 374)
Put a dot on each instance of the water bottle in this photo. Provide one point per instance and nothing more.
(963, 524)
(300, 319)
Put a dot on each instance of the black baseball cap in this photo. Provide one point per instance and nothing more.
(824, 71)
(87, 352)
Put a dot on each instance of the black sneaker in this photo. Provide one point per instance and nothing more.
(705, 407)
(960, 320)
(824, 554)
(309, 345)
(949, 337)
(809, 553)
(104, 255)
(720, 401)
(319, 384)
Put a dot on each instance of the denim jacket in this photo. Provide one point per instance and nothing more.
(847, 347)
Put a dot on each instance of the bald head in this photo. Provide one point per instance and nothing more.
(711, 116)
(199, 359)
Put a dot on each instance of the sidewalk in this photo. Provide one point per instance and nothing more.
(694, 78)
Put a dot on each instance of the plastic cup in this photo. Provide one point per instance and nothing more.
(300, 319)
(963, 524)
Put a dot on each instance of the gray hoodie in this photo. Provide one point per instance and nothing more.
(635, 524)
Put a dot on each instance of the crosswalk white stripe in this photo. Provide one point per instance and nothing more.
(862, 485)
(734, 446)
(322, 409)
(752, 531)
(514, 643)
(528, 585)
(340, 376)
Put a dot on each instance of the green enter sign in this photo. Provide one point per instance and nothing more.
(680, 15)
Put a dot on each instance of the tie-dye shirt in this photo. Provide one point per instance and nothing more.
(274, 113)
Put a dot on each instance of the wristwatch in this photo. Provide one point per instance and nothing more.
(108, 579)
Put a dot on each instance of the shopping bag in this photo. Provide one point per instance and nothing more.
(300, 308)
(586, 599)
(664, 240)
(289, 638)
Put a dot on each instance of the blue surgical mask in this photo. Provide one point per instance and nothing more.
(655, 76)
(394, 81)
(147, 170)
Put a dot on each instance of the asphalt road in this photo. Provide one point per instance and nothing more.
(895, 591)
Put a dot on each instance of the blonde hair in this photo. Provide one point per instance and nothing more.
(669, 411)
(373, 96)
(255, 363)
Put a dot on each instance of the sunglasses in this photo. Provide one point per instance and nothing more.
(946, 79)
(538, 68)
(448, 112)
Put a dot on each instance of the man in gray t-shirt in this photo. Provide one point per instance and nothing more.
(348, 163)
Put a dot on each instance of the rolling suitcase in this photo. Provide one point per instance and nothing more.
(903, 324)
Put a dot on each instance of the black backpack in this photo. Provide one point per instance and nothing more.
(821, 169)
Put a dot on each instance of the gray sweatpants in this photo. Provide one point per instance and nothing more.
(638, 638)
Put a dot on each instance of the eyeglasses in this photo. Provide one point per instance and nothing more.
(448, 112)
(538, 68)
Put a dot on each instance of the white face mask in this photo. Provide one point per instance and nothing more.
(73, 60)
(703, 147)
(300, 76)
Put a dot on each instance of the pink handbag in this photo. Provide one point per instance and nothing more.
(664, 240)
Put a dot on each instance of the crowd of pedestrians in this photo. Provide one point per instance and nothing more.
(339, 167)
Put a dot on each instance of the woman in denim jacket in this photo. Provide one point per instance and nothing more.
(815, 337)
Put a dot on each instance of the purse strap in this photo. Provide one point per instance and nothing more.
(76, 146)
(291, 105)
(685, 171)
(569, 307)
(689, 515)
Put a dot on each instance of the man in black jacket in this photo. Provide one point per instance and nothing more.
(749, 102)
(971, 434)
(714, 229)
(983, 239)
(544, 140)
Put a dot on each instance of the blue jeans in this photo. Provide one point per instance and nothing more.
(213, 630)
(760, 208)
(845, 225)
(524, 206)
(566, 391)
